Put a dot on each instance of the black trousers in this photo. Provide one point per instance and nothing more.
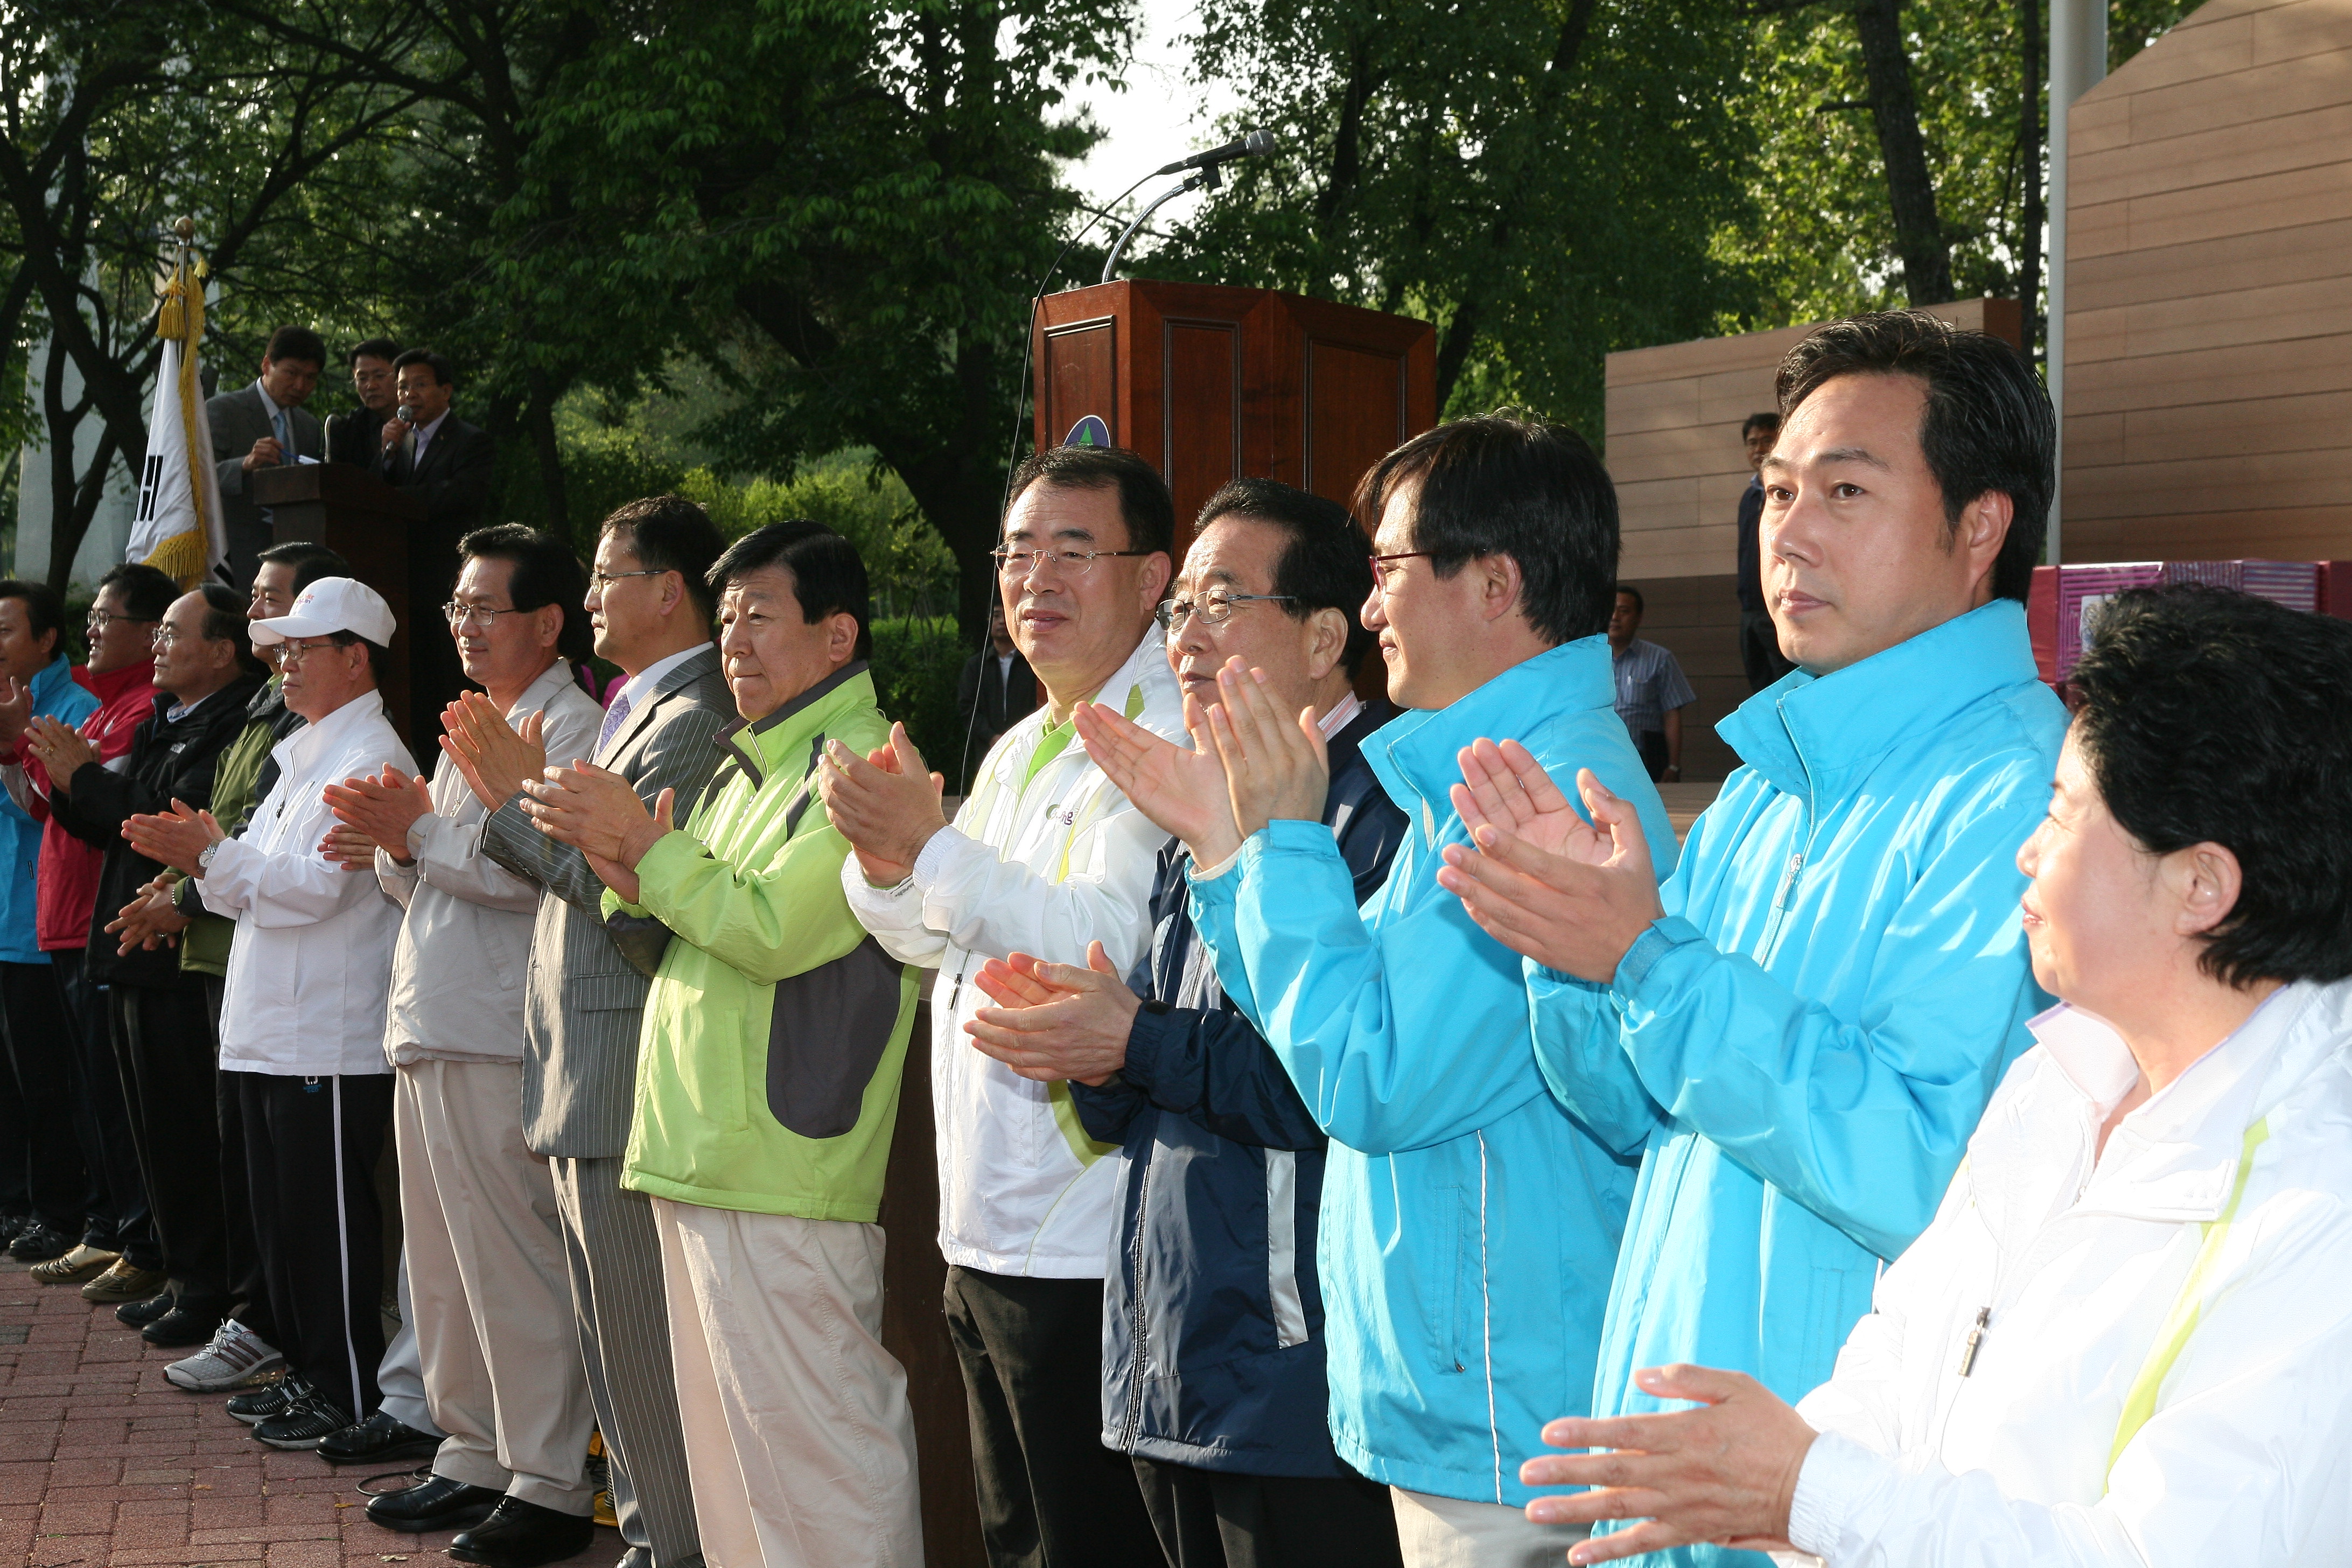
(1652, 745)
(40, 1075)
(117, 1199)
(310, 1151)
(1051, 1495)
(163, 1041)
(248, 1291)
(1760, 650)
(1215, 1519)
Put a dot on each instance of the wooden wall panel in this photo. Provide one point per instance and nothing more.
(2209, 338)
(1698, 619)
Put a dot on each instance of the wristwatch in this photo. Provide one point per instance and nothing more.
(205, 856)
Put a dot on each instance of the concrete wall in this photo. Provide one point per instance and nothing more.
(2208, 324)
(1672, 446)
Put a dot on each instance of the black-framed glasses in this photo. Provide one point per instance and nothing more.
(1215, 607)
(98, 620)
(291, 652)
(458, 615)
(1074, 564)
(1380, 565)
(600, 581)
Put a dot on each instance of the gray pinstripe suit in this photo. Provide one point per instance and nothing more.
(579, 1088)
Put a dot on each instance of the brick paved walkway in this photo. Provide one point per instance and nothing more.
(102, 1462)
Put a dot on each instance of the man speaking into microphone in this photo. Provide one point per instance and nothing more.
(446, 463)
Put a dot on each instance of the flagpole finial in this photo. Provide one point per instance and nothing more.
(186, 228)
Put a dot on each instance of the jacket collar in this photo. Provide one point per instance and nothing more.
(237, 694)
(2176, 1157)
(306, 745)
(698, 662)
(111, 684)
(1414, 755)
(1128, 691)
(542, 690)
(57, 673)
(1810, 735)
(763, 746)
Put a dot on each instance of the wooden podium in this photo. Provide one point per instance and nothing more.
(368, 524)
(1213, 383)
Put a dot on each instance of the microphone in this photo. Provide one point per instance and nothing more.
(1256, 144)
(406, 416)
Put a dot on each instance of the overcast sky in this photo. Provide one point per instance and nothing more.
(1158, 119)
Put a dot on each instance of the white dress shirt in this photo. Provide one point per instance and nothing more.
(312, 959)
(639, 688)
(458, 968)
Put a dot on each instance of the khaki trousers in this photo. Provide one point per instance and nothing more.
(799, 1439)
(1446, 1532)
(486, 1278)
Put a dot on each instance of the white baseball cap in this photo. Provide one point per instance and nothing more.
(330, 605)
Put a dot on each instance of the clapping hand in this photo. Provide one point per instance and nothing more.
(15, 706)
(1275, 763)
(597, 813)
(1054, 1021)
(496, 759)
(1181, 791)
(1570, 894)
(887, 804)
(60, 748)
(174, 837)
(383, 809)
(150, 920)
(349, 846)
(1725, 1473)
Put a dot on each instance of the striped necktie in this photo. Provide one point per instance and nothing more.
(614, 716)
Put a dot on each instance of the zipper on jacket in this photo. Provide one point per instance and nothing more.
(1139, 1330)
(1781, 899)
(1975, 1339)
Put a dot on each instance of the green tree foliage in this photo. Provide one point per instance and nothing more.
(1542, 179)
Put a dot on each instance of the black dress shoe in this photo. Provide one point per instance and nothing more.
(12, 1224)
(440, 1504)
(38, 1243)
(380, 1437)
(519, 1534)
(139, 1314)
(182, 1325)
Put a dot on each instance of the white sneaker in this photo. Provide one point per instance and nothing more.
(236, 1357)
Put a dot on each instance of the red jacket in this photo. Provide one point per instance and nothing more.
(67, 875)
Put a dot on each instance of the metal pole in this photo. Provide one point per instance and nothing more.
(1207, 176)
(2078, 61)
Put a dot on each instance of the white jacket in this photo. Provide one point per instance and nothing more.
(2219, 1292)
(458, 968)
(312, 959)
(1042, 868)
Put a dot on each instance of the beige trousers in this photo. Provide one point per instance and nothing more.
(799, 1439)
(486, 1285)
(1446, 1532)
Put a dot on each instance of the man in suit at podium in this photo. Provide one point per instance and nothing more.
(356, 437)
(997, 692)
(261, 427)
(446, 463)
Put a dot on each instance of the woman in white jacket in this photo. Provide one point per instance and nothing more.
(2127, 1337)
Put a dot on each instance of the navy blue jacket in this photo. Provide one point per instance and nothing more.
(1212, 1320)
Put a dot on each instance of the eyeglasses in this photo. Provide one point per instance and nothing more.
(1215, 607)
(1016, 565)
(164, 636)
(100, 619)
(1380, 565)
(295, 652)
(600, 581)
(459, 614)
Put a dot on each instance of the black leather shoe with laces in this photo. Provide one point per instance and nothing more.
(379, 1438)
(438, 1504)
(519, 1534)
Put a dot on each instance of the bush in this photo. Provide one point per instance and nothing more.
(917, 662)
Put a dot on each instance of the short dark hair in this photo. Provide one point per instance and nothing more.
(1326, 562)
(1144, 503)
(146, 591)
(372, 348)
(225, 622)
(828, 575)
(1641, 606)
(1497, 485)
(671, 534)
(444, 372)
(45, 610)
(297, 343)
(379, 655)
(545, 573)
(1768, 420)
(1987, 425)
(310, 559)
(2210, 716)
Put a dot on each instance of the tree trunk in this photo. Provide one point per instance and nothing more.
(539, 420)
(2028, 160)
(1910, 188)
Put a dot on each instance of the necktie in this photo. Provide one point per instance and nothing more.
(285, 436)
(614, 716)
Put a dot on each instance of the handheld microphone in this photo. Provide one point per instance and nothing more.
(406, 416)
(1256, 144)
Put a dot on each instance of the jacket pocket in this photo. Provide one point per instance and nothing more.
(827, 1034)
(1445, 1259)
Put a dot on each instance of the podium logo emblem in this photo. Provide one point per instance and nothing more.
(1088, 432)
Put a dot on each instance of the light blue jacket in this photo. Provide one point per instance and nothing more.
(55, 695)
(1800, 1048)
(1468, 1226)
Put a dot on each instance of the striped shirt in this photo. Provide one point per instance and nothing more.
(1649, 683)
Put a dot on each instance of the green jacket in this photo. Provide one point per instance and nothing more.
(204, 946)
(776, 1029)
